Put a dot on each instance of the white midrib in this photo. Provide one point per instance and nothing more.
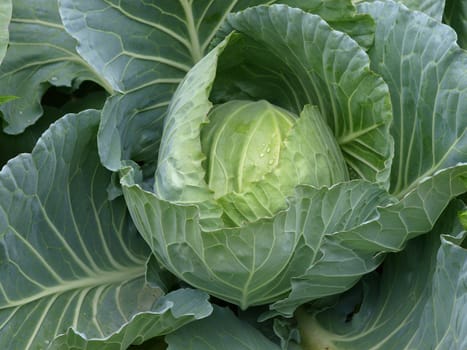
(88, 282)
(195, 49)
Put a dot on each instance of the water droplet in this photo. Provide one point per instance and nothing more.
(20, 112)
(53, 78)
(271, 162)
(261, 155)
(268, 150)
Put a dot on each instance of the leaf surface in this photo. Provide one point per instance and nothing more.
(425, 71)
(69, 257)
(167, 314)
(417, 302)
(40, 54)
(5, 17)
(144, 49)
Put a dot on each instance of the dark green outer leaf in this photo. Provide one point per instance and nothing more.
(40, 54)
(222, 330)
(419, 301)
(143, 43)
(455, 14)
(5, 17)
(131, 127)
(387, 230)
(70, 258)
(427, 78)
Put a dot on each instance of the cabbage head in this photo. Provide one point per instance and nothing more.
(250, 147)
(278, 180)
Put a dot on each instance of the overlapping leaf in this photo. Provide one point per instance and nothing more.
(150, 43)
(145, 48)
(180, 176)
(255, 264)
(418, 302)
(386, 230)
(382, 226)
(40, 54)
(70, 258)
(74, 274)
(167, 314)
(291, 59)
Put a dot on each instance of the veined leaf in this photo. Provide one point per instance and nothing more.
(70, 258)
(144, 50)
(417, 302)
(40, 54)
(386, 229)
(5, 17)
(245, 265)
(425, 71)
(167, 314)
(340, 14)
(151, 42)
